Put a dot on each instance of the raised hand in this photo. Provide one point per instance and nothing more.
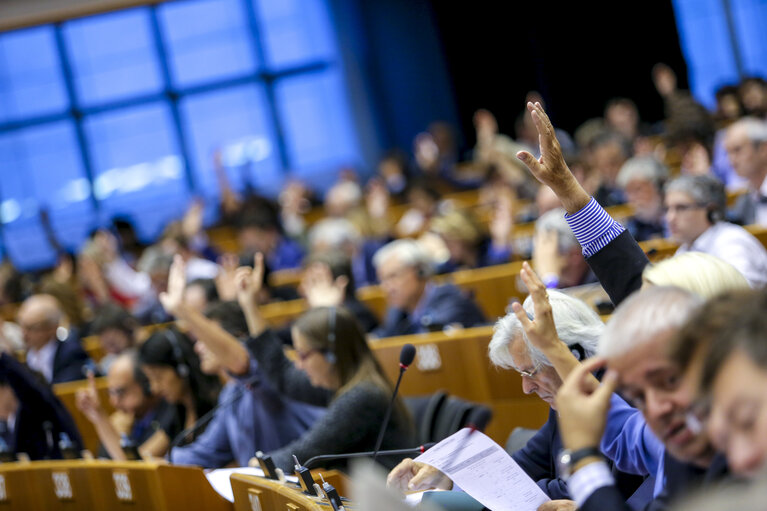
(547, 260)
(173, 298)
(541, 330)
(225, 283)
(249, 282)
(551, 169)
(87, 400)
(320, 289)
(583, 408)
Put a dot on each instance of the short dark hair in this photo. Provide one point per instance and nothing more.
(111, 316)
(230, 316)
(209, 288)
(339, 265)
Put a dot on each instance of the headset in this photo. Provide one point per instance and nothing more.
(330, 352)
(178, 356)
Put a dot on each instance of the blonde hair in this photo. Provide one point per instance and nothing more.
(703, 274)
(459, 225)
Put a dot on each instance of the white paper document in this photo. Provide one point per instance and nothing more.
(484, 470)
(219, 479)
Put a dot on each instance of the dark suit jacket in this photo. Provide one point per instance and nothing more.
(681, 479)
(538, 458)
(443, 305)
(37, 405)
(619, 266)
(69, 361)
(744, 211)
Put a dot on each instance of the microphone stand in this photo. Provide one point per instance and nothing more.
(393, 452)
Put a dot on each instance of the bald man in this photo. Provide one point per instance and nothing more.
(58, 360)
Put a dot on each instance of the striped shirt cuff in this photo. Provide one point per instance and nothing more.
(584, 482)
(593, 227)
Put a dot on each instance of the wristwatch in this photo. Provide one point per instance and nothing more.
(567, 460)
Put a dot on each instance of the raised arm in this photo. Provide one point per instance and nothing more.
(551, 169)
(249, 282)
(229, 351)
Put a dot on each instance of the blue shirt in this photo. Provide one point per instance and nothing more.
(258, 418)
(593, 227)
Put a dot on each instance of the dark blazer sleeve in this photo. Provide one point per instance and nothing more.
(538, 459)
(69, 361)
(450, 304)
(619, 266)
(606, 498)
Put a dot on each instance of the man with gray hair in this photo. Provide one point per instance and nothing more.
(695, 208)
(579, 328)
(414, 303)
(51, 350)
(641, 178)
(634, 349)
(746, 146)
(557, 255)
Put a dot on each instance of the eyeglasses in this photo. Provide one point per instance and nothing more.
(681, 208)
(531, 374)
(697, 414)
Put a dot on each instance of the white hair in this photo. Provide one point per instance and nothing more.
(335, 232)
(644, 316)
(755, 129)
(576, 323)
(645, 168)
(409, 252)
(703, 274)
(554, 221)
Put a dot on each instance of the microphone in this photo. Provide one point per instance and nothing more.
(208, 416)
(349, 455)
(406, 356)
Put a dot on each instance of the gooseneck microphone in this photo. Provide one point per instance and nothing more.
(349, 455)
(406, 357)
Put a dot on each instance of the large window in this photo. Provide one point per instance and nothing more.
(121, 114)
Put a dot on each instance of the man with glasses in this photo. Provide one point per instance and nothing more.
(414, 303)
(51, 350)
(695, 207)
(578, 327)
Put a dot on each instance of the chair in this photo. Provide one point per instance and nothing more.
(438, 416)
(519, 438)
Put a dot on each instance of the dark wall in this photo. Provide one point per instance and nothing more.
(577, 54)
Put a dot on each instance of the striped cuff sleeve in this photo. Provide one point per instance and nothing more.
(593, 227)
(584, 482)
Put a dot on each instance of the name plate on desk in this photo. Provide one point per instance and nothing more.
(62, 486)
(3, 493)
(123, 489)
(254, 499)
(428, 358)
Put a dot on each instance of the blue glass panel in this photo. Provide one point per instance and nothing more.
(705, 43)
(138, 169)
(317, 124)
(30, 76)
(113, 56)
(43, 169)
(294, 32)
(751, 29)
(234, 121)
(206, 40)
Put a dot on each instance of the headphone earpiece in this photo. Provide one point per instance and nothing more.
(714, 216)
(578, 352)
(330, 353)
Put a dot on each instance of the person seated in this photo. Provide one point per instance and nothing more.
(340, 235)
(200, 293)
(467, 245)
(168, 359)
(51, 350)
(641, 178)
(726, 338)
(557, 256)
(259, 230)
(609, 151)
(145, 420)
(252, 416)
(695, 207)
(333, 367)
(577, 329)
(116, 331)
(32, 419)
(414, 303)
(746, 145)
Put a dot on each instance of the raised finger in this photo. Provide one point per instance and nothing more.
(521, 314)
